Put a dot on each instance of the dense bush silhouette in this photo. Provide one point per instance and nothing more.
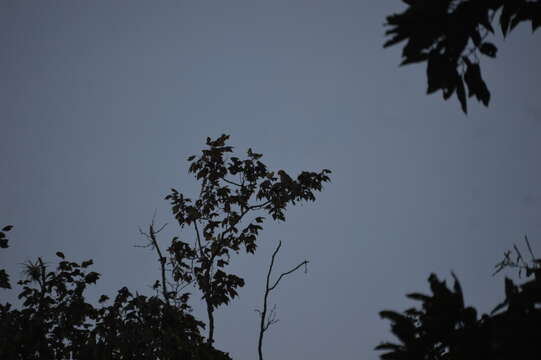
(444, 328)
(449, 35)
(55, 321)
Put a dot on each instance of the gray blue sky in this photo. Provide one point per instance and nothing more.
(102, 101)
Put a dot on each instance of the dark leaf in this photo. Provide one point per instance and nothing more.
(395, 40)
(536, 19)
(87, 263)
(458, 290)
(60, 254)
(510, 9)
(488, 49)
(387, 346)
(92, 277)
(420, 297)
(499, 307)
(505, 18)
(476, 37)
(435, 72)
(475, 83)
(485, 21)
(414, 59)
(4, 279)
(510, 288)
(7, 228)
(461, 95)
(484, 96)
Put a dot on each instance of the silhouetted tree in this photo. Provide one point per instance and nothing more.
(449, 35)
(56, 322)
(227, 216)
(444, 328)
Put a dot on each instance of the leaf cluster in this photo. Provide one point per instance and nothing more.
(450, 34)
(4, 244)
(444, 328)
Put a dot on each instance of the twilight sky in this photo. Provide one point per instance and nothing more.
(102, 102)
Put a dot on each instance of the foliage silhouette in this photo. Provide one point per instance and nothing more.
(449, 35)
(227, 216)
(444, 328)
(55, 320)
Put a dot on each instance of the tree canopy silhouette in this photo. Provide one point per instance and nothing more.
(449, 35)
(56, 321)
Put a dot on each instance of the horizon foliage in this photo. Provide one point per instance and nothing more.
(56, 322)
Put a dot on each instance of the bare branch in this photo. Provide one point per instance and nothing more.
(231, 182)
(259, 206)
(519, 262)
(305, 262)
(198, 236)
(153, 243)
(267, 321)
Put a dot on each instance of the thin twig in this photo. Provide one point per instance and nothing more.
(231, 182)
(305, 262)
(529, 248)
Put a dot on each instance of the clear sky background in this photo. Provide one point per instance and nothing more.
(102, 102)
